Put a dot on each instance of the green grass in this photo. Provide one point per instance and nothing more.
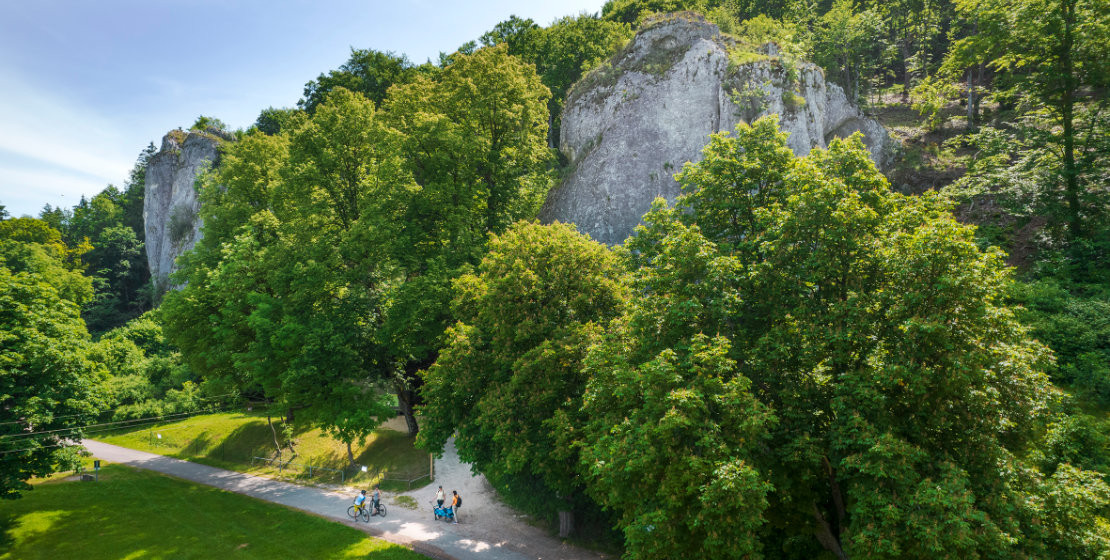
(136, 514)
(230, 440)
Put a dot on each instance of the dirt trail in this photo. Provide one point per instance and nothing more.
(485, 518)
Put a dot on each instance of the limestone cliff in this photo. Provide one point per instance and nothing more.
(170, 200)
(630, 125)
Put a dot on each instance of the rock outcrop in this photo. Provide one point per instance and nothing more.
(170, 199)
(630, 125)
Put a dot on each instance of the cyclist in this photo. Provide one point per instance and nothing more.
(376, 500)
(360, 499)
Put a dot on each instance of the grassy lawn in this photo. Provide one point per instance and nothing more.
(136, 514)
(231, 440)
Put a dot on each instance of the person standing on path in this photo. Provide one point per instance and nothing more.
(440, 497)
(377, 499)
(456, 503)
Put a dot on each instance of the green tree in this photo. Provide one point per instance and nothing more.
(848, 44)
(47, 381)
(473, 138)
(1052, 51)
(121, 278)
(914, 28)
(864, 375)
(50, 241)
(509, 380)
(207, 318)
(111, 226)
(131, 202)
(205, 123)
(367, 71)
(514, 32)
(55, 216)
(561, 52)
(632, 12)
(290, 272)
(272, 121)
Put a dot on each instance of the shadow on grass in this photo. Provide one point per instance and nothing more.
(135, 514)
(252, 439)
(7, 526)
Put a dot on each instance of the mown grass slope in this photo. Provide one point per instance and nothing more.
(231, 440)
(139, 514)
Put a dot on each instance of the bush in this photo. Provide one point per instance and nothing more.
(1077, 328)
(182, 219)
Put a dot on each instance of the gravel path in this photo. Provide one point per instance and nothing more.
(488, 530)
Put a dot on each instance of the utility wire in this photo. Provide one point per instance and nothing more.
(12, 437)
(91, 432)
(110, 410)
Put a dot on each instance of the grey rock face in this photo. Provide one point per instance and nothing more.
(631, 124)
(170, 200)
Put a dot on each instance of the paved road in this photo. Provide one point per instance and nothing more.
(415, 529)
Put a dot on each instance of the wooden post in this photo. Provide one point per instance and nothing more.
(431, 468)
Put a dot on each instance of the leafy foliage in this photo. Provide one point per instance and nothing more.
(474, 140)
(48, 383)
(561, 52)
(290, 230)
(367, 71)
(509, 379)
(884, 396)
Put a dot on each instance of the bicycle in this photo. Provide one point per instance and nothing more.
(380, 511)
(356, 511)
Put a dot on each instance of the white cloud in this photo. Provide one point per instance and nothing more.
(39, 125)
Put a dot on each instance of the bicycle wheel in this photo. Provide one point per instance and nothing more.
(365, 514)
(381, 510)
(352, 512)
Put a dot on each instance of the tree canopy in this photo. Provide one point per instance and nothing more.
(48, 384)
(509, 378)
(822, 357)
(325, 245)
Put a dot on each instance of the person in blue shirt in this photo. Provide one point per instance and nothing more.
(360, 499)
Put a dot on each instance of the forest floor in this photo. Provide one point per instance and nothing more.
(925, 162)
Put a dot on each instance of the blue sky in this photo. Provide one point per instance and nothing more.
(85, 86)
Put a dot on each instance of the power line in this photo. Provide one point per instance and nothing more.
(12, 437)
(153, 420)
(110, 410)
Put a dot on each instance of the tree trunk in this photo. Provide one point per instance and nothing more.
(825, 535)
(1067, 114)
(277, 445)
(566, 524)
(350, 455)
(837, 498)
(970, 99)
(904, 50)
(405, 399)
(979, 73)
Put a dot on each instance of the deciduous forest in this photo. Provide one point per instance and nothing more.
(799, 357)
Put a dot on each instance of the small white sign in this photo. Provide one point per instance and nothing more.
(159, 436)
(364, 468)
